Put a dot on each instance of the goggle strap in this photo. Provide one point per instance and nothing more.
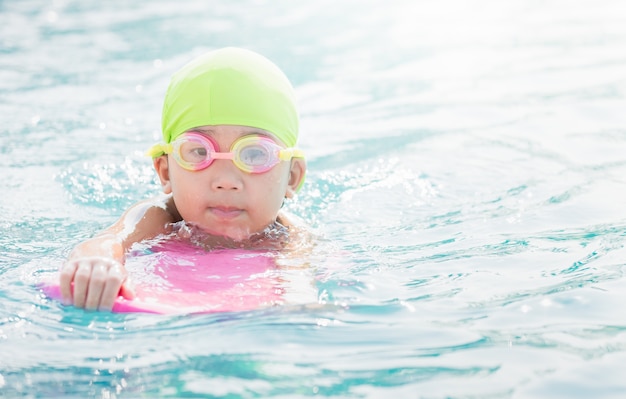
(159, 149)
(288, 153)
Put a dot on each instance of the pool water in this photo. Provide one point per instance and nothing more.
(467, 182)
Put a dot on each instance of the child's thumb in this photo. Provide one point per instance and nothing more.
(127, 290)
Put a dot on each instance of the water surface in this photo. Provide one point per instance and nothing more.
(466, 180)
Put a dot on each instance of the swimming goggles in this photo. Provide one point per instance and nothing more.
(252, 153)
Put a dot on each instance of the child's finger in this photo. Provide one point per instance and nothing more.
(97, 281)
(128, 289)
(66, 276)
(81, 283)
(112, 286)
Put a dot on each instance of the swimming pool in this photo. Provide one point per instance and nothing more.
(467, 181)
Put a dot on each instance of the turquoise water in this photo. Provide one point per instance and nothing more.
(467, 181)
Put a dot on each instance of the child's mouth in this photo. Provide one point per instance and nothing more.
(225, 212)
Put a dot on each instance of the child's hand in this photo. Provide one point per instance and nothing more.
(97, 282)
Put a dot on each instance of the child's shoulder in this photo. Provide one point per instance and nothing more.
(300, 234)
(149, 218)
(290, 220)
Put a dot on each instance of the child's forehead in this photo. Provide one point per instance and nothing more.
(231, 131)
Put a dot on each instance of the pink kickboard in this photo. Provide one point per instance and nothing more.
(179, 279)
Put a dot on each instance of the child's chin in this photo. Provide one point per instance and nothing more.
(232, 234)
(238, 236)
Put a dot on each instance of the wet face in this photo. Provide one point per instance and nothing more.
(224, 200)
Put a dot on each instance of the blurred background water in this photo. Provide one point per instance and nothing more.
(466, 177)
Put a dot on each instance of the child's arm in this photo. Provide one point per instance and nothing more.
(96, 266)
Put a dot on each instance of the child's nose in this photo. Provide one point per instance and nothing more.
(225, 175)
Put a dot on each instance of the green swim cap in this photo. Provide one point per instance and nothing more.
(230, 86)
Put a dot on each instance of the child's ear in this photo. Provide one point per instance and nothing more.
(161, 165)
(296, 176)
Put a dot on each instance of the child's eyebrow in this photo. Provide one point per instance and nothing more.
(201, 130)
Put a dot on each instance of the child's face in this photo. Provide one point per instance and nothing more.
(224, 200)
